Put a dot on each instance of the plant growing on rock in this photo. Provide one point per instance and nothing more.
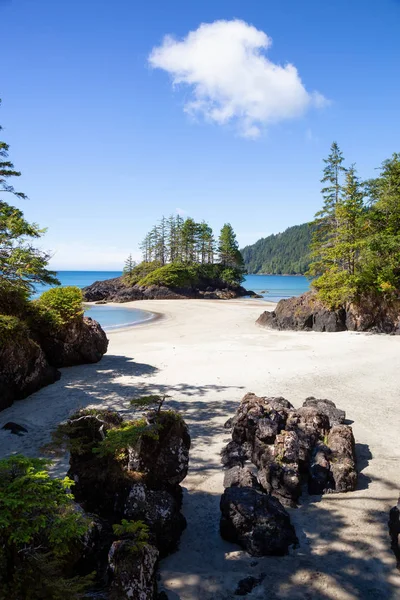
(136, 531)
(40, 530)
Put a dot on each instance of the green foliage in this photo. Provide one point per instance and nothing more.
(228, 248)
(141, 271)
(39, 529)
(153, 401)
(356, 245)
(21, 264)
(176, 275)
(63, 303)
(130, 264)
(12, 328)
(282, 253)
(137, 531)
(118, 439)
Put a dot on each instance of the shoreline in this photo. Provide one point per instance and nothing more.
(206, 355)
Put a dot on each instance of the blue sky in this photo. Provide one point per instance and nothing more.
(107, 144)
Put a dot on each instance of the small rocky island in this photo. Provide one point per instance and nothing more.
(308, 313)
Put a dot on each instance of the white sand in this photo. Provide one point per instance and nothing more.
(207, 355)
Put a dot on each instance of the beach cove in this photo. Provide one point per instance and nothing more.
(207, 355)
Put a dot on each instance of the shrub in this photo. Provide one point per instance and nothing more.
(119, 439)
(39, 532)
(138, 531)
(13, 301)
(172, 275)
(140, 271)
(11, 328)
(64, 304)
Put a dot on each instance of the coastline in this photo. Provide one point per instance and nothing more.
(207, 354)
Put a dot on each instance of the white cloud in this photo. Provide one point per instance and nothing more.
(231, 78)
(180, 212)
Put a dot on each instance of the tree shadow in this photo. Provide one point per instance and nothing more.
(328, 563)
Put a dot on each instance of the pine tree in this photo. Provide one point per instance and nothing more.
(130, 264)
(228, 248)
(22, 265)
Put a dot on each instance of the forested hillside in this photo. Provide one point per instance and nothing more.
(281, 253)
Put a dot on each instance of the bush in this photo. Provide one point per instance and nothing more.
(64, 305)
(13, 301)
(40, 530)
(140, 271)
(11, 328)
(178, 275)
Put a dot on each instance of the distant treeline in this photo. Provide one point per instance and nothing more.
(281, 253)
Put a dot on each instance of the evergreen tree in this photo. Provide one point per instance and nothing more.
(22, 265)
(130, 264)
(188, 240)
(228, 248)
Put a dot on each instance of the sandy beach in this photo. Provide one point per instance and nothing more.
(207, 355)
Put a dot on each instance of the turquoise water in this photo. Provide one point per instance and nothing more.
(276, 287)
(271, 287)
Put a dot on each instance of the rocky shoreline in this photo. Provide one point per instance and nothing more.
(116, 290)
(307, 313)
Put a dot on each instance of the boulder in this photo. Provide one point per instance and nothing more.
(165, 460)
(133, 571)
(320, 476)
(256, 521)
(234, 454)
(160, 510)
(310, 425)
(280, 472)
(241, 477)
(24, 369)
(79, 342)
(304, 312)
(342, 458)
(394, 530)
(374, 314)
(328, 408)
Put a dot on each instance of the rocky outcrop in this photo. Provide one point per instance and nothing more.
(307, 313)
(256, 521)
(290, 447)
(139, 483)
(30, 362)
(304, 312)
(115, 290)
(133, 572)
(24, 369)
(79, 342)
(394, 530)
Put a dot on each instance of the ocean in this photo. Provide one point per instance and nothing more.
(270, 287)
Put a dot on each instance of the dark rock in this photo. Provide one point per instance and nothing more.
(343, 458)
(303, 312)
(328, 408)
(247, 585)
(259, 417)
(133, 571)
(394, 530)
(162, 596)
(79, 342)
(117, 290)
(160, 511)
(279, 472)
(255, 296)
(233, 454)
(256, 521)
(310, 426)
(164, 461)
(306, 312)
(320, 476)
(24, 369)
(15, 428)
(241, 477)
